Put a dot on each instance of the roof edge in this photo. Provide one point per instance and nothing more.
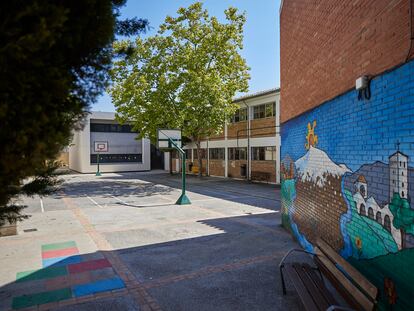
(257, 94)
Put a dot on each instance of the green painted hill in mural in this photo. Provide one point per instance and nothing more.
(368, 238)
(288, 193)
(399, 268)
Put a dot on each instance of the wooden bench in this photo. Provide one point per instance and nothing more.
(261, 176)
(308, 282)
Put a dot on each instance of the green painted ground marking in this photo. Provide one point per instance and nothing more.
(41, 298)
(55, 246)
(45, 273)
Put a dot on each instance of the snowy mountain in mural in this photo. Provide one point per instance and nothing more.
(316, 165)
(319, 202)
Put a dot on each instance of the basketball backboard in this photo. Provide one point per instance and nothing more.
(163, 136)
(101, 146)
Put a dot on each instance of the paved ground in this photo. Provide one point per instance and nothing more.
(118, 242)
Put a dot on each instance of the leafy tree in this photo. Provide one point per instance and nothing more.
(183, 77)
(403, 215)
(54, 61)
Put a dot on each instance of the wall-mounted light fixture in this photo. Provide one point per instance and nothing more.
(362, 85)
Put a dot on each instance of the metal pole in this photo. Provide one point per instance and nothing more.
(183, 168)
(183, 199)
(98, 172)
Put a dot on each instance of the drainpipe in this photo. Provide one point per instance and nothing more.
(248, 141)
(208, 161)
(410, 3)
(226, 152)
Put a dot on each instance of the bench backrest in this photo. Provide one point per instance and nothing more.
(352, 285)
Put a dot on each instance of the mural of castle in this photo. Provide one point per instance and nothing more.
(348, 177)
(368, 207)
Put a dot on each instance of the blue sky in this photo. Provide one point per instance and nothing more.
(261, 35)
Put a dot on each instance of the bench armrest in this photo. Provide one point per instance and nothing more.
(292, 251)
(334, 308)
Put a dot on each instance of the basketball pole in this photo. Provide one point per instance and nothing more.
(183, 199)
(98, 172)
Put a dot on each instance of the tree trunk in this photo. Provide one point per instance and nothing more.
(200, 160)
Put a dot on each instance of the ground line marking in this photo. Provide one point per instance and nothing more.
(119, 200)
(41, 205)
(94, 202)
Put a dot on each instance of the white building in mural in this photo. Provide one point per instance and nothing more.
(368, 207)
(398, 174)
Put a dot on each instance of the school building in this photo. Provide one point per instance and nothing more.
(116, 145)
(249, 146)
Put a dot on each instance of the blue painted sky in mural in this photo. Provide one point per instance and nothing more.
(358, 132)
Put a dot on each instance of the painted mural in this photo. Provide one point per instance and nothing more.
(363, 211)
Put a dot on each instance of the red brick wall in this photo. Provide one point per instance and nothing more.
(216, 167)
(233, 128)
(326, 45)
(257, 130)
(233, 169)
(204, 165)
(265, 167)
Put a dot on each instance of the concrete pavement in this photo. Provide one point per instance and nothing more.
(118, 242)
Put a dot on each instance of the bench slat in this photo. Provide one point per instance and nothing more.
(359, 279)
(318, 298)
(320, 285)
(350, 292)
(300, 288)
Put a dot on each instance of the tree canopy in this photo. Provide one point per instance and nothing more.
(183, 77)
(54, 61)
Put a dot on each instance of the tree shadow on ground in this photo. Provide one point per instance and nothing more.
(236, 191)
(105, 187)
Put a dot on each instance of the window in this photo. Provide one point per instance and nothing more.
(264, 111)
(387, 223)
(111, 128)
(240, 115)
(116, 158)
(238, 153)
(362, 190)
(203, 154)
(270, 110)
(378, 218)
(216, 153)
(362, 210)
(371, 213)
(187, 154)
(259, 112)
(264, 153)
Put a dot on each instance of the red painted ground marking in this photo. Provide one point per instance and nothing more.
(89, 266)
(60, 253)
(68, 280)
(134, 287)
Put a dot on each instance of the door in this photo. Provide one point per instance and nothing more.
(157, 159)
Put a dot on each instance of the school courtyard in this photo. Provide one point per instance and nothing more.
(118, 242)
